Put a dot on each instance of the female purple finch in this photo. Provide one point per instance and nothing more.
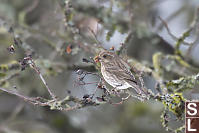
(116, 72)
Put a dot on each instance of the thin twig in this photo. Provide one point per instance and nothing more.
(170, 33)
(31, 100)
(53, 104)
(33, 65)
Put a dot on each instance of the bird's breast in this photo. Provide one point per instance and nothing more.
(112, 79)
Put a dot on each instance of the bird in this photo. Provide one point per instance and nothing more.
(117, 73)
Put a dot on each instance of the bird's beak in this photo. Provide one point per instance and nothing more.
(97, 59)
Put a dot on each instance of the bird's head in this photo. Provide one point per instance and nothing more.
(105, 57)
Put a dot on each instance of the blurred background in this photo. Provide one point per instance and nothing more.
(58, 35)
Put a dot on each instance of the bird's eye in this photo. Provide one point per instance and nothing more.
(104, 56)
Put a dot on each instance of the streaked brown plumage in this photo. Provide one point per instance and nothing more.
(116, 72)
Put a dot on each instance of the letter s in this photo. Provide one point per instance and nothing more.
(192, 108)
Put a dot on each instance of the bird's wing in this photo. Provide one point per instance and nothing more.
(126, 77)
(121, 74)
(125, 67)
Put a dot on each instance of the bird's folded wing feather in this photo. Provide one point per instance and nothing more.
(124, 67)
(122, 74)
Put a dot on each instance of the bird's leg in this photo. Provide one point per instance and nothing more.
(116, 91)
(126, 98)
